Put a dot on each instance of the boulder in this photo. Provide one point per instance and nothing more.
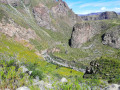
(113, 87)
(48, 85)
(112, 37)
(24, 69)
(40, 84)
(64, 80)
(7, 89)
(23, 88)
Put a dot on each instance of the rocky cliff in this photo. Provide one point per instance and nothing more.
(51, 18)
(42, 16)
(112, 37)
(48, 14)
(89, 18)
(83, 32)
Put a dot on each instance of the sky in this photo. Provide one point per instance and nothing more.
(91, 6)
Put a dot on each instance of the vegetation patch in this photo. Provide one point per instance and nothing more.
(105, 68)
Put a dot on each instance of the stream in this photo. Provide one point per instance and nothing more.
(58, 61)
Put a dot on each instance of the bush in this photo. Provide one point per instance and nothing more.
(37, 73)
(11, 75)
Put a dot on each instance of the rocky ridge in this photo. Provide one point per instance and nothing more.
(112, 38)
(101, 16)
(48, 17)
(83, 32)
(42, 16)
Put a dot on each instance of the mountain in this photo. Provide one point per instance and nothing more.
(44, 45)
(90, 14)
(118, 13)
(100, 15)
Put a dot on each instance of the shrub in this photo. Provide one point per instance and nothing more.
(37, 73)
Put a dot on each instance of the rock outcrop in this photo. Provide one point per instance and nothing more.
(61, 9)
(89, 18)
(83, 32)
(42, 16)
(64, 80)
(112, 37)
(23, 88)
(18, 32)
(108, 15)
(54, 17)
(112, 87)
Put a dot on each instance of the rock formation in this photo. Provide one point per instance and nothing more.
(61, 9)
(42, 16)
(112, 87)
(85, 31)
(112, 37)
(108, 15)
(18, 32)
(51, 18)
(89, 18)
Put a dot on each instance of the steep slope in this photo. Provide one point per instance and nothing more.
(42, 16)
(112, 37)
(32, 31)
(83, 32)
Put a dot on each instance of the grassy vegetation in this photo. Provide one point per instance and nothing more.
(27, 57)
(11, 75)
(96, 50)
(108, 69)
(48, 39)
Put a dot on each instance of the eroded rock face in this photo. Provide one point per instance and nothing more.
(42, 16)
(83, 32)
(61, 9)
(112, 37)
(18, 32)
(108, 15)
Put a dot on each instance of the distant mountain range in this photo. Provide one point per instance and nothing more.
(90, 14)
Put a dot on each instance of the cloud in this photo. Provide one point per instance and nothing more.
(117, 8)
(103, 8)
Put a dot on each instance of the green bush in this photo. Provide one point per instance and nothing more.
(11, 75)
(37, 73)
